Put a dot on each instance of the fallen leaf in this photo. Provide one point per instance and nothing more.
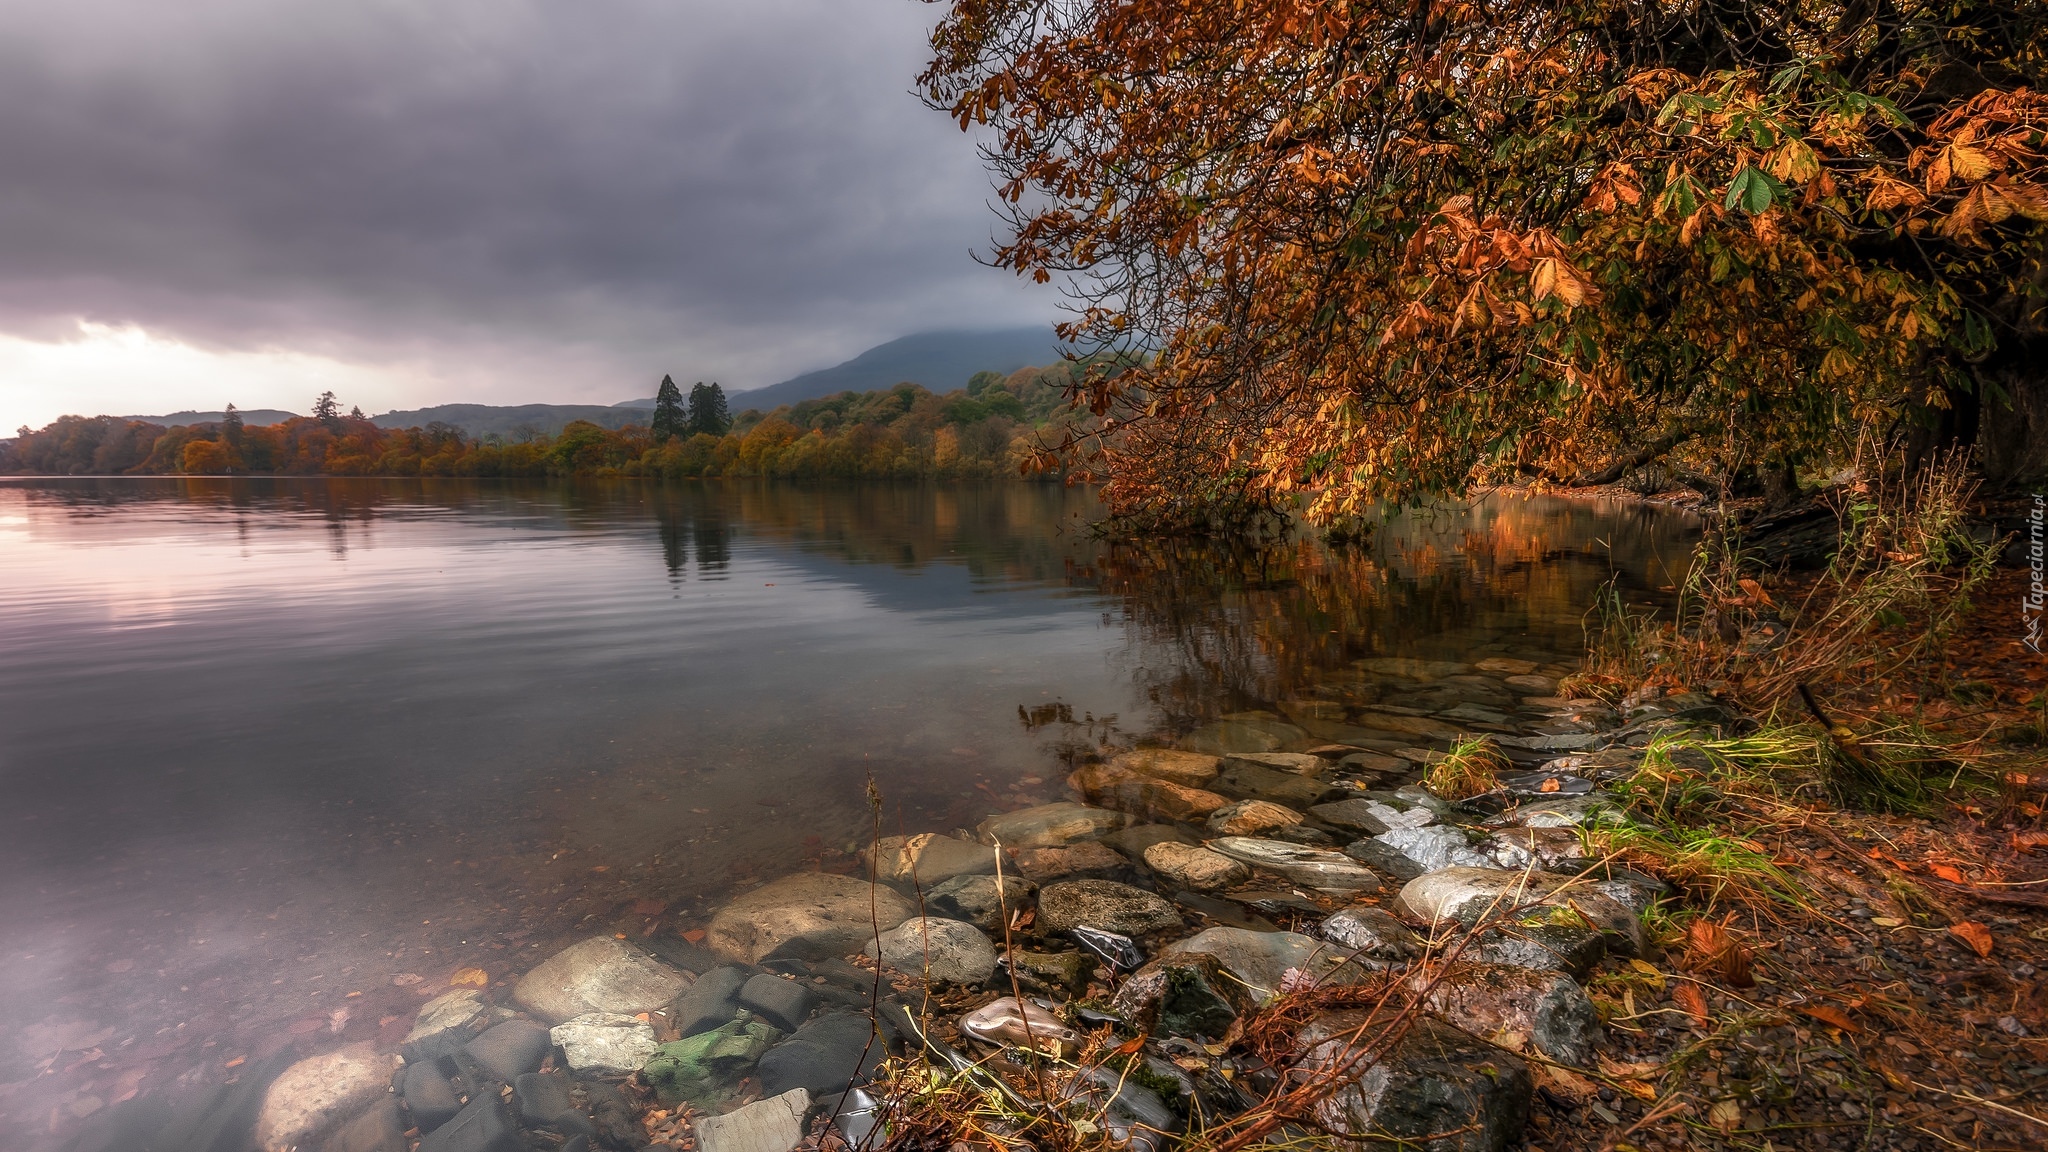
(694, 935)
(1977, 936)
(470, 978)
(1829, 1015)
(237, 1062)
(1886, 921)
(1691, 999)
(1946, 872)
(1725, 1115)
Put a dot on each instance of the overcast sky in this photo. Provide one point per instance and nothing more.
(499, 201)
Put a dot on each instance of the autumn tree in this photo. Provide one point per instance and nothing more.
(671, 419)
(1390, 248)
(708, 413)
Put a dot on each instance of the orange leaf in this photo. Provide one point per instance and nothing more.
(1977, 936)
(1691, 999)
(694, 935)
(469, 978)
(1829, 1015)
(1946, 872)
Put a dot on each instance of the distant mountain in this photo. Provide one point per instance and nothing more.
(940, 361)
(512, 421)
(254, 416)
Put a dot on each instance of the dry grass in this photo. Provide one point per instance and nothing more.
(1471, 768)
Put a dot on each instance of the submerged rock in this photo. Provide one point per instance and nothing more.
(702, 1069)
(1088, 858)
(316, 1096)
(771, 1125)
(1243, 732)
(1252, 818)
(1049, 826)
(1104, 904)
(808, 915)
(446, 1023)
(1065, 972)
(824, 1056)
(1437, 1088)
(1413, 669)
(783, 1003)
(1193, 769)
(1292, 763)
(946, 951)
(1133, 841)
(508, 1050)
(1514, 1007)
(604, 1042)
(1315, 867)
(928, 859)
(600, 974)
(713, 1000)
(977, 900)
(1143, 796)
(429, 1096)
(1193, 867)
(1249, 781)
(484, 1125)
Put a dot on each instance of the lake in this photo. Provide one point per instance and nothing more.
(279, 756)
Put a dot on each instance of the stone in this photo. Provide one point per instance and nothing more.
(703, 1069)
(1196, 868)
(1434, 848)
(1252, 818)
(1193, 769)
(1314, 867)
(1516, 1007)
(1506, 666)
(1464, 895)
(616, 1118)
(808, 915)
(1369, 817)
(1568, 812)
(981, 901)
(508, 1049)
(375, 1129)
(771, 1125)
(1130, 1115)
(542, 1096)
(604, 1043)
(1261, 960)
(1370, 934)
(1066, 972)
(1248, 781)
(1133, 841)
(485, 1125)
(1540, 946)
(1088, 858)
(946, 951)
(1182, 994)
(1104, 904)
(1412, 668)
(314, 1097)
(600, 974)
(1546, 848)
(1383, 858)
(1473, 714)
(783, 1003)
(1292, 763)
(1047, 826)
(445, 1024)
(1409, 725)
(825, 1057)
(1376, 763)
(1437, 1089)
(1143, 796)
(713, 1000)
(429, 1096)
(928, 859)
(1532, 685)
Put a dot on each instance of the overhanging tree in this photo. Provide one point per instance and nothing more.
(1393, 247)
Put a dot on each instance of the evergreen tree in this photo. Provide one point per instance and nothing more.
(670, 417)
(231, 426)
(707, 410)
(355, 412)
(327, 410)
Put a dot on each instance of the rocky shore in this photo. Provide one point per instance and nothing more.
(1270, 901)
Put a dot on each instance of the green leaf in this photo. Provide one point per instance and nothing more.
(1751, 190)
(1787, 76)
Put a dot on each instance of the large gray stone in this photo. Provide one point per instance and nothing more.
(1535, 943)
(446, 1023)
(977, 900)
(1183, 994)
(824, 1057)
(1104, 904)
(1434, 848)
(945, 951)
(1262, 960)
(1370, 934)
(604, 1043)
(1049, 826)
(600, 974)
(1517, 1007)
(375, 1129)
(810, 915)
(713, 1000)
(313, 1098)
(429, 1096)
(507, 1050)
(1314, 867)
(771, 1125)
(1435, 1089)
(1465, 895)
(928, 859)
(783, 1003)
(486, 1125)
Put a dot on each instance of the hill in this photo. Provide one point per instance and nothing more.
(254, 417)
(940, 361)
(513, 422)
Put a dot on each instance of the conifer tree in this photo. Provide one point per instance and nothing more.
(708, 412)
(670, 418)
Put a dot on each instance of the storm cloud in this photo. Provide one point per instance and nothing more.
(519, 200)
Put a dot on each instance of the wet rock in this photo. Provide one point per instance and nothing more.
(1292, 763)
(771, 1125)
(486, 1125)
(542, 1096)
(445, 1024)
(1252, 818)
(1243, 732)
(808, 915)
(1438, 1089)
(1383, 858)
(1434, 848)
(604, 1043)
(1507, 666)
(1133, 841)
(1546, 848)
(375, 1129)
(702, 1069)
(928, 859)
(1412, 668)
(1193, 769)
(979, 901)
(1182, 994)
(1088, 858)
(713, 1000)
(429, 1096)
(1371, 933)
(1196, 868)
(509, 1049)
(1463, 895)
(1012, 1023)
(1531, 684)
(1248, 781)
(1547, 1011)
(1568, 742)
(1261, 960)
(946, 951)
(1048, 826)
(1409, 725)
(1469, 713)
(315, 1096)
(1315, 867)
(617, 1121)
(1372, 763)
(1130, 1114)
(1372, 817)
(599, 975)
(1104, 904)
(825, 1057)
(1535, 943)
(1565, 812)
(783, 1003)
(1143, 796)
(1066, 972)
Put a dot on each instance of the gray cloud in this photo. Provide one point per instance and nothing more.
(604, 188)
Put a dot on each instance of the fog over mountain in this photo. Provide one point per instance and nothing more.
(490, 201)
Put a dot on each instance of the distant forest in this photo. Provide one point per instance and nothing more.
(988, 428)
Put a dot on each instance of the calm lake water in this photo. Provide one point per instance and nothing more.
(277, 757)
